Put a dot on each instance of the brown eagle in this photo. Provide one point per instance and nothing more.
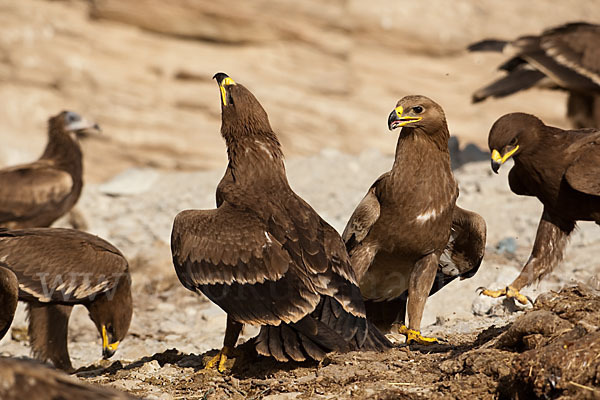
(58, 268)
(9, 296)
(264, 255)
(27, 379)
(37, 194)
(564, 57)
(559, 167)
(407, 238)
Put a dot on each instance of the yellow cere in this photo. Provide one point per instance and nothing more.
(225, 82)
(405, 119)
(399, 110)
(496, 156)
(502, 159)
(105, 344)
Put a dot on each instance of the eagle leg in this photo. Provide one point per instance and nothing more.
(48, 329)
(232, 333)
(419, 285)
(509, 292)
(413, 336)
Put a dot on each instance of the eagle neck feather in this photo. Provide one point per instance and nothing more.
(414, 146)
(64, 151)
(256, 157)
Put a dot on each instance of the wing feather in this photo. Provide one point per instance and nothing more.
(364, 217)
(32, 189)
(583, 174)
(61, 265)
(231, 256)
(464, 252)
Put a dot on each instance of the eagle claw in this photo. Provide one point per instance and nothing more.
(219, 360)
(509, 292)
(413, 336)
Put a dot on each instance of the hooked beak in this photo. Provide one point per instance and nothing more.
(108, 349)
(83, 128)
(397, 119)
(498, 160)
(223, 80)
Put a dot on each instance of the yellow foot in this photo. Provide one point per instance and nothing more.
(509, 292)
(219, 360)
(413, 336)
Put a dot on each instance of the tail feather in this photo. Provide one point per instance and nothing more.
(291, 344)
(329, 328)
(276, 343)
(312, 349)
(375, 341)
(262, 342)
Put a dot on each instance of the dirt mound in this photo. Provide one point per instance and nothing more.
(551, 351)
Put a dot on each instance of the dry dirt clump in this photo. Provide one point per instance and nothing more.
(551, 351)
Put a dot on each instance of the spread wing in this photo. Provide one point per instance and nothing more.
(521, 78)
(464, 252)
(563, 57)
(231, 256)
(31, 189)
(573, 47)
(61, 265)
(262, 272)
(584, 173)
(364, 217)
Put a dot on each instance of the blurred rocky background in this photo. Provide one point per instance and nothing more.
(328, 73)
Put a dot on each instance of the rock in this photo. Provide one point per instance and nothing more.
(283, 396)
(149, 368)
(507, 246)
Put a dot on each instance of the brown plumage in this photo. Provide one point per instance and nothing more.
(27, 379)
(59, 268)
(407, 237)
(559, 167)
(565, 57)
(264, 255)
(37, 194)
(9, 295)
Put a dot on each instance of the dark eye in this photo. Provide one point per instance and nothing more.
(513, 141)
(417, 109)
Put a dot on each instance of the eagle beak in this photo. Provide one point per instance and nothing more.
(108, 349)
(397, 119)
(83, 128)
(498, 160)
(223, 80)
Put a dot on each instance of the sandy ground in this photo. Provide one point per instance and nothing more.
(135, 212)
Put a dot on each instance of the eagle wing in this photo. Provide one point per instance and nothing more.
(574, 47)
(31, 189)
(61, 265)
(563, 57)
(583, 174)
(466, 246)
(234, 258)
(364, 217)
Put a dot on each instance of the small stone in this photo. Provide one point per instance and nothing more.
(149, 367)
(507, 246)
(282, 396)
